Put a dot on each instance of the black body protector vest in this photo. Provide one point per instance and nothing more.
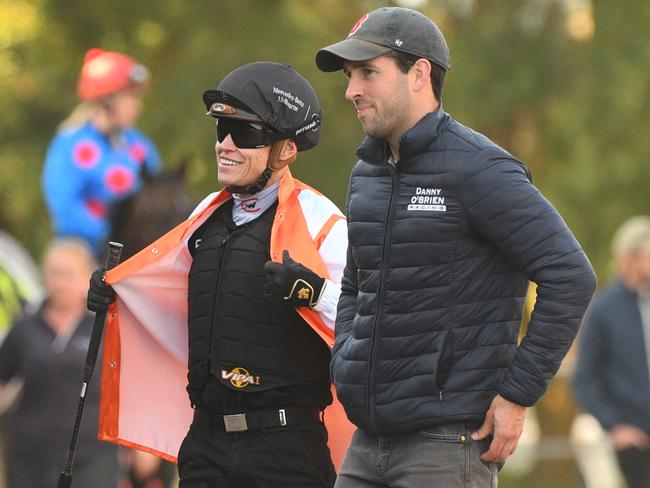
(246, 353)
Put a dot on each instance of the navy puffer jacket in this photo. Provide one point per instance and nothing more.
(441, 249)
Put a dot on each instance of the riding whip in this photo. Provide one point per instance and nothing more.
(65, 478)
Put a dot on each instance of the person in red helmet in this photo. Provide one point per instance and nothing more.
(98, 157)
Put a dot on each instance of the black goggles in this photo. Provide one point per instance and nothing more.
(246, 135)
(139, 75)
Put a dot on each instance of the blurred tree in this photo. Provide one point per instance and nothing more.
(537, 76)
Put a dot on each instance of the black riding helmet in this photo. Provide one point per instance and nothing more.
(271, 93)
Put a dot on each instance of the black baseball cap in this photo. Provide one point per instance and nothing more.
(277, 94)
(383, 30)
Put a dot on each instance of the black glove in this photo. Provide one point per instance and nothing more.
(292, 283)
(100, 295)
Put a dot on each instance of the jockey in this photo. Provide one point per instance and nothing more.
(259, 267)
(97, 158)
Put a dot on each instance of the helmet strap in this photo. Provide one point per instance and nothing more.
(259, 184)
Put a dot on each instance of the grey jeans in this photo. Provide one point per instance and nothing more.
(443, 456)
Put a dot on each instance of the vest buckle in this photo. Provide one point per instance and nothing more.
(235, 423)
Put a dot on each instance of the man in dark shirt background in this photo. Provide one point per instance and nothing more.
(612, 379)
(46, 349)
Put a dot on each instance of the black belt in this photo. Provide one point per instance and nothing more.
(263, 419)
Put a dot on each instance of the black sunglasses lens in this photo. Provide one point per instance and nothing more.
(222, 131)
(244, 135)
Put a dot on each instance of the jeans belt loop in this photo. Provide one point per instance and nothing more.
(235, 423)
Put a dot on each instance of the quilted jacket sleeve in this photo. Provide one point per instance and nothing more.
(504, 207)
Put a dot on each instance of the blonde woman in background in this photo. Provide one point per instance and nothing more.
(98, 157)
(47, 350)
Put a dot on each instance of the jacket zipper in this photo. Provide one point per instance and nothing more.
(384, 263)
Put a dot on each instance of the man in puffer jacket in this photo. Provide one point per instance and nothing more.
(445, 232)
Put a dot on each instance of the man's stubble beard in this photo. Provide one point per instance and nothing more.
(390, 122)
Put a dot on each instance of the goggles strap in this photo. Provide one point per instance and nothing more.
(274, 163)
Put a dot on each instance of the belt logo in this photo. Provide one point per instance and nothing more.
(240, 378)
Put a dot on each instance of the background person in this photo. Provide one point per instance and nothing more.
(98, 157)
(445, 230)
(47, 350)
(612, 379)
(20, 289)
(20, 281)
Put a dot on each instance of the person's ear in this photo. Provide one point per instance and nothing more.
(421, 74)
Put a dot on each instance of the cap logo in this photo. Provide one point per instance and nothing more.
(358, 23)
(398, 42)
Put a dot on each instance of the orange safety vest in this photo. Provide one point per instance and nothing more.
(144, 371)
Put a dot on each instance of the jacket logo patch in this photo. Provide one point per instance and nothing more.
(428, 199)
(303, 293)
(240, 378)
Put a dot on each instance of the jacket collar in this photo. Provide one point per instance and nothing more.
(414, 141)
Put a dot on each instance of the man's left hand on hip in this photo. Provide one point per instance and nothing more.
(505, 421)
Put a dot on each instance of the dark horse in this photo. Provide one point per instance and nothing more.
(162, 203)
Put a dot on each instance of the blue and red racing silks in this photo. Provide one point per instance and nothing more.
(86, 172)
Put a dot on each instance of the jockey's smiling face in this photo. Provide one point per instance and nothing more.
(239, 167)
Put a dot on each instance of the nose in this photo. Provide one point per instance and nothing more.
(354, 88)
(226, 145)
